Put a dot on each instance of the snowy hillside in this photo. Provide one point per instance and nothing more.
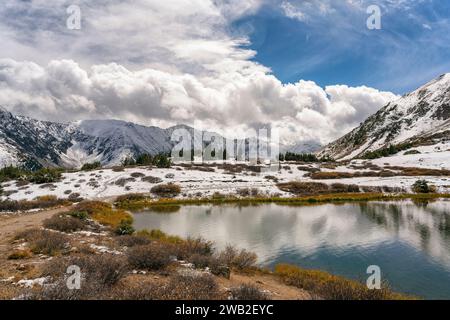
(33, 143)
(417, 119)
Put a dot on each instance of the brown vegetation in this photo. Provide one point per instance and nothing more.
(330, 287)
(313, 188)
(148, 257)
(65, 223)
(169, 190)
(388, 171)
(44, 241)
(248, 292)
(43, 202)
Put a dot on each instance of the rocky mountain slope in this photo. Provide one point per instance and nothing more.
(416, 119)
(34, 143)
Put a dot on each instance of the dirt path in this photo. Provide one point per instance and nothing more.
(11, 224)
(267, 283)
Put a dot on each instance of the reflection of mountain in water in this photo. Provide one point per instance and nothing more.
(425, 226)
(271, 229)
(410, 242)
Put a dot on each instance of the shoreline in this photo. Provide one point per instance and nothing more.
(284, 281)
(146, 202)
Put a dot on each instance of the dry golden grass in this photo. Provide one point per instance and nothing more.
(20, 254)
(369, 194)
(331, 287)
(105, 214)
(8, 291)
(113, 218)
(160, 236)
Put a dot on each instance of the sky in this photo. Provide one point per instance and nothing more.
(309, 68)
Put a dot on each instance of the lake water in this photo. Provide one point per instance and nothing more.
(410, 242)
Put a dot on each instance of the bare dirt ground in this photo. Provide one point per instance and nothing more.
(11, 271)
(11, 224)
(269, 284)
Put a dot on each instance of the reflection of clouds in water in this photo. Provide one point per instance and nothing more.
(270, 229)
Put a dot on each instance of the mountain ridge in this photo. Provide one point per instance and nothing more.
(34, 143)
(419, 117)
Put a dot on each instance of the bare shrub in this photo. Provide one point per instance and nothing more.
(47, 186)
(151, 179)
(308, 169)
(143, 290)
(137, 175)
(246, 192)
(28, 234)
(243, 192)
(202, 261)
(212, 262)
(43, 202)
(305, 188)
(169, 190)
(131, 241)
(44, 241)
(51, 244)
(200, 168)
(130, 197)
(271, 178)
(178, 288)
(248, 292)
(191, 287)
(99, 274)
(123, 181)
(150, 257)
(239, 259)
(386, 173)
(343, 188)
(65, 223)
(8, 193)
(371, 189)
(105, 269)
(331, 175)
(193, 246)
(22, 183)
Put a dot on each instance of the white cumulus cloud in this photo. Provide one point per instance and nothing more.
(161, 63)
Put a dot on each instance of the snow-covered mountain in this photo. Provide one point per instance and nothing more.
(305, 147)
(34, 143)
(416, 119)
